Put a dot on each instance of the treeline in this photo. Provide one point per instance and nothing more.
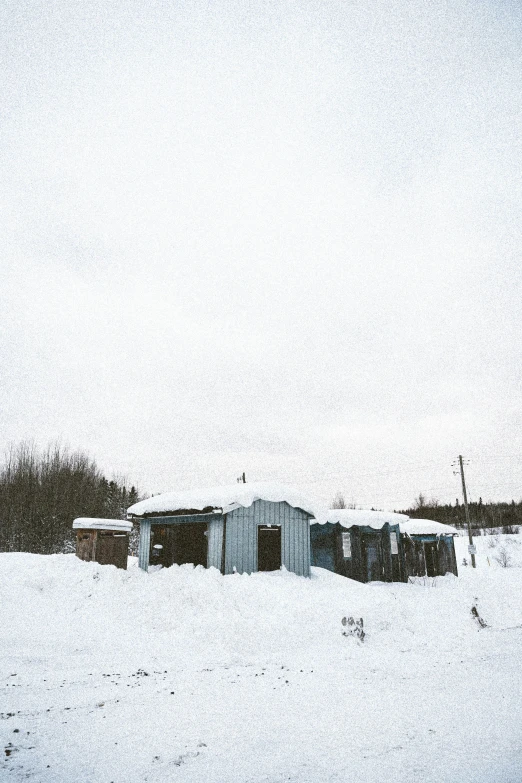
(41, 493)
(483, 516)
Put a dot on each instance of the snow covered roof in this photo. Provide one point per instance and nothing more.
(354, 517)
(224, 499)
(417, 527)
(83, 523)
(350, 517)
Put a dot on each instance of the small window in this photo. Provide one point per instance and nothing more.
(393, 543)
(347, 545)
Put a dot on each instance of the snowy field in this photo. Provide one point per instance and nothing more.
(186, 675)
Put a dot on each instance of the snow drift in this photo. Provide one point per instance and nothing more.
(188, 675)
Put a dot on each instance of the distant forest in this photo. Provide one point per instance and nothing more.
(42, 492)
(483, 516)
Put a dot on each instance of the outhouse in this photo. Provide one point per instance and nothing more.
(241, 527)
(428, 548)
(104, 541)
(362, 545)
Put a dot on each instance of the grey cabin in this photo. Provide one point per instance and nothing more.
(379, 546)
(239, 528)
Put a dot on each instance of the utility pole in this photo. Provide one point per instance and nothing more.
(471, 546)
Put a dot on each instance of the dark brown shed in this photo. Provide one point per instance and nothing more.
(104, 541)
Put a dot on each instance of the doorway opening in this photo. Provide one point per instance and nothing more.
(268, 548)
(190, 544)
(371, 546)
(183, 543)
(431, 557)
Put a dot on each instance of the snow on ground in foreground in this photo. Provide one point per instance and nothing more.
(186, 675)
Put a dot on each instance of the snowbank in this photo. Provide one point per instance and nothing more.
(188, 675)
(224, 499)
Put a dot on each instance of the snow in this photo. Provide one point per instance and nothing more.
(186, 675)
(416, 527)
(224, 499)
(93, 523)
(228, 497)
(350, 517)
(493, 551)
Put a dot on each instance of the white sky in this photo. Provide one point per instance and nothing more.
(273, 237)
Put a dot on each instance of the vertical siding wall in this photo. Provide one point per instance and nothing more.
(144, 547)
(327, 551)
(241, 536)
(215, 543)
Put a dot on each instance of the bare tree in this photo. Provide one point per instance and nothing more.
(339, 501)
(420, 502)
(503, 557)
(42, 492)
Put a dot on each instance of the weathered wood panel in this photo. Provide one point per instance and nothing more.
(85, 544)
(327, 551)
(106, 547)
(112, 548)
(415, 555)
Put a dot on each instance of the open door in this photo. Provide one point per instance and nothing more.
(268, 548)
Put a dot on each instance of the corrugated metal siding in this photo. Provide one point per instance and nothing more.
(144, 547)
(215, 543)
(295, 531)
(241, 536)
(241, 541)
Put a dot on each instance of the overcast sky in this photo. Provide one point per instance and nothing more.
(274, 237)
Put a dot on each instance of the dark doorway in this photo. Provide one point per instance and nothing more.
(183, 543)
(372, 560)
(268, 548)
(431, 556)
(190, 544)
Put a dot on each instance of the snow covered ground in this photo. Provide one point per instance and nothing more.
(493, 551)
(186, 675)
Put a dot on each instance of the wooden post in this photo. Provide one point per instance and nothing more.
(466, 509)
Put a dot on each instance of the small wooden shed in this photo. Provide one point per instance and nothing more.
(361, 545)
(428, 548)
(238, 528)
(104, 541)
